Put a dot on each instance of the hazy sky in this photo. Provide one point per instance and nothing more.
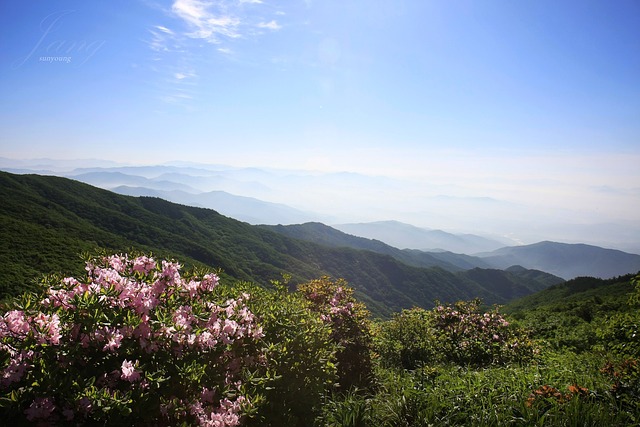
(525, 101)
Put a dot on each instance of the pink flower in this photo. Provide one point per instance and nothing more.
(209, 282)
(257, 333)
(128, 371)
(207, 395)
(144, 265)
(206, 340)
(49, 328)
(114, 339)
(171, 272)
(117, 262)
(41, 408)
(16, 322)
(183, 317)
(16, 369)
(192, 287)
(230, 327)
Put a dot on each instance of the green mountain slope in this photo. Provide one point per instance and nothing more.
(566, 260)
(47, 221)
(575, 291)
(513, 283)
(579, 314)
(323, 234)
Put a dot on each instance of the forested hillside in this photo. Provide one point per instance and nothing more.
(48, 221)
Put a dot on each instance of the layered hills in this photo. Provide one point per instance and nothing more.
(48, 221)
(560, 259)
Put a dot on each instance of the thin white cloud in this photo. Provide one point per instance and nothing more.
(271, 25)
(158, 41)
(204, 22)
(163, 29)
(218, 22)
(176, 98)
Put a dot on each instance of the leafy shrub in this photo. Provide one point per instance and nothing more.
(300, 357)
(625, 382)
(621, 333)
(134, 342)
(350, 328)
(408, 340)
(459, 333)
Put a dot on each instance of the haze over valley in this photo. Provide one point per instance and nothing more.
(279, 196)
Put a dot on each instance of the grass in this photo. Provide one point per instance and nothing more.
(494, 396)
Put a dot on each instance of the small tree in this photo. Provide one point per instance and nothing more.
(350, 328)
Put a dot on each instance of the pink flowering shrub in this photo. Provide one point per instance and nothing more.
(350, 328)
(460, 333)
(473, 337)
(135, 342)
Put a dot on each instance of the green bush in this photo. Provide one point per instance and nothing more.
(621, 333)
(300, 357)
(460, 333)
(350, 328)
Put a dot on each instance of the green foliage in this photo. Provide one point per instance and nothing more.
(460, 333)
(350, 409)
(583, 314)
(408, 340)
(449, 395)
(301, 363)
(350, 328)
(621, 332)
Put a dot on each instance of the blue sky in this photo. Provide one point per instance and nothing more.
(534, 101)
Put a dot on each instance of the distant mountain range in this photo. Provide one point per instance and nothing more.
(329, 236)
(296, 196)
(566, 260)
(246, 209)
(560, 259)
(48, 221)
(407, 236)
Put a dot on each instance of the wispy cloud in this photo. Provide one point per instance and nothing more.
(184, 75)
(163, 29)
(218, 22)
(207, 20)
(158, 41)
(271, 25)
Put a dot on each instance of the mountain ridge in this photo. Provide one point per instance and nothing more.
(406, 236)
(47, 221)
(566, 260)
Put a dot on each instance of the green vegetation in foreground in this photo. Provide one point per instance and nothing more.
(585, 370)
(324, 363)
